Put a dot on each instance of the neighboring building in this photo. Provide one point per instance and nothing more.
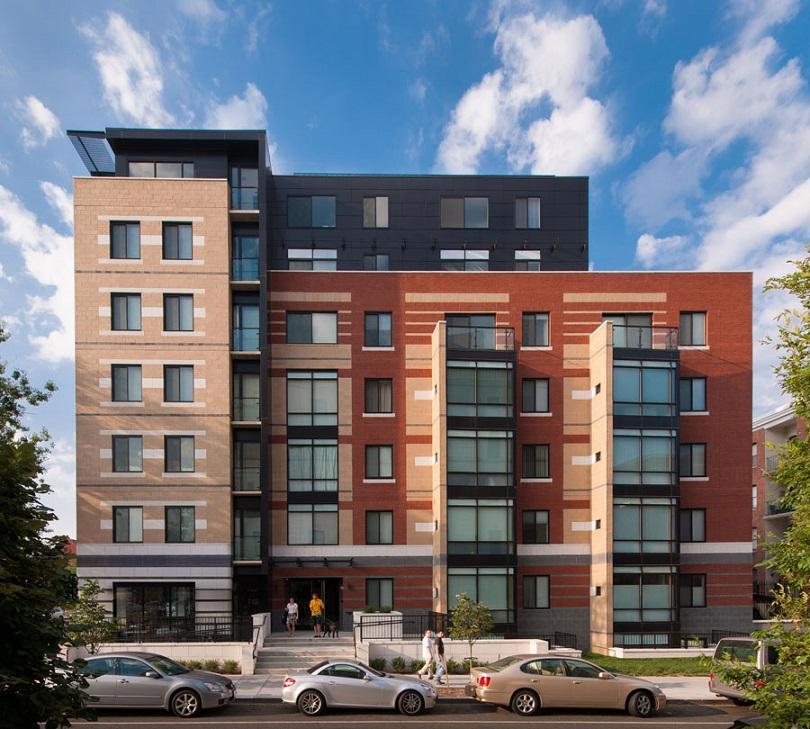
(392, 389)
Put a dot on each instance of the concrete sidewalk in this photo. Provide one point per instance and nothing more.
(677, 688)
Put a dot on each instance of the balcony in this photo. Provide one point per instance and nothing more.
(245, 269)
(246, 339)
(244, 198)
(777, 509)
(246, 409)
(642, 337)
(246, 478)
(247, 549)
(771, 463)
(481, 339)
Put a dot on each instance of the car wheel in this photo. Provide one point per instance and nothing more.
(525, 703)
(641, 703)
(311, 703)
(410, 703)
(185, 704)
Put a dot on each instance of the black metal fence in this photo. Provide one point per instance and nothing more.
(375, 626)
(558, 639)
(191, 629)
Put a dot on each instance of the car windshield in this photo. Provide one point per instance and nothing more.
(317, 667)
(167, 666)
(372, 671)
(503, 663)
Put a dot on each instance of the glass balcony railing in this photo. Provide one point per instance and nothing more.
(245, 269)
(244, 198)
(777, 508)
(497, 339)
(246, 479)
(246, 408)
(247, 548)
(246, 339)
(771, 463)
(638, 337)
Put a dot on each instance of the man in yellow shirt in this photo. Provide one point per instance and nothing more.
(316, 608)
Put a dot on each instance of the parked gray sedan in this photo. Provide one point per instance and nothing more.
(134, 680)
(344, 684)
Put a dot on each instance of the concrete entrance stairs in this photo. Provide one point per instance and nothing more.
(282, 654)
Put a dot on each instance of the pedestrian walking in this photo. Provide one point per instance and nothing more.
(292, 616)
(441, 663)
(428, 654)
(316, 608)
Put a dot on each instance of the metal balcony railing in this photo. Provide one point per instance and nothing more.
(775, 508)
(493, 339)
(638, 337)
(771, 463)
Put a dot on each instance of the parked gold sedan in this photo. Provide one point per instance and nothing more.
(527, 683)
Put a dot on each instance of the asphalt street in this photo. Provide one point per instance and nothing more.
(266, 715)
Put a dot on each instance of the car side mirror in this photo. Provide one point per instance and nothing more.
(152, 674)
(604, 675)
(367, 678)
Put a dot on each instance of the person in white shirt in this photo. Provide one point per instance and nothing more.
(428, 654)
(292, 615)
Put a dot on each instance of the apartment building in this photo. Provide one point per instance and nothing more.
(394, 389)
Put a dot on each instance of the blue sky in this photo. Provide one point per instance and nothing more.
(692, 119)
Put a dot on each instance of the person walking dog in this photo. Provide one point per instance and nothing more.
(316, 608)
(428, 654)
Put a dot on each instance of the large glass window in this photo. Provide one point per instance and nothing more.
(161, 169)
(246, 396)
(643, 456)
(693, 328)
(127, 453)
(479, 458)
(312, 398)
(305, 327)
(375, 212)
(179, 453)
(643, 526)
(535, 527)
(309, 259)
(376, 262)
(536, 461)
(312, 524)
(479, 389)
(492, 586)
(245, 326)
(148, 603)
(535, 395)
(693, 459)
(177, 242)
(180, 525)
(643, 388)
(125, 240)
(379, 397)
(535, 329)
(693, 394)
(528, 260)
(379, 461)
(126, 383)
(178, 312)
(318, 211)
(244, 188)
(126, 312)
(178, 383)
(378, 329)
(245, 263)
(246, 461)
(536, 592)
(379, 527)
(127, 524)
(692, 590)
(312, 464)
(465, 212)
(631, 330)
(693, 525)
(463, 259)
(470, 331)
(380, 593)
(479, 526)
(643, 594)
(247, 529)
(527, 213)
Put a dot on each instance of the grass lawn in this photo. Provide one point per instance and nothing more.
(650, 666)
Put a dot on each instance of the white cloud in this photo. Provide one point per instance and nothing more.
(40, 124)
(256, 27)
(60, 475)
(48, 258)
(760, 15)
(535, 107)
(654, 8)
(60, 200)
(418, 90)
(5, 166)
(4, 276)
(131, 73)
(203, 11)
(248, 111)
(652, 252)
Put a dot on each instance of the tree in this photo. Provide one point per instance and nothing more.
(89, 625)
(36, 685)
(469, 621)
(783, 693)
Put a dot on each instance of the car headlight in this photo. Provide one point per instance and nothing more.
(216, 688)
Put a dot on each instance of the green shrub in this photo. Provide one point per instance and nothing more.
(398, 664)
(416, 665)
(466, 664)
(384, 609)
(368, 609)
(378, 664)
(231, 667)
(193, 664)
(212, 664)
(454, 667)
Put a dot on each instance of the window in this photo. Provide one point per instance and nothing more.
(693, 590)
(317, 211)
(643, 594)
(375, 212)
(96, 667)
(535, 461)
(312, 524)
(246, 461)
(693, 328)
(535, 592)
(465, 212)
(535, 527)
(460, 259)
(245, 263)
(644, 388)
(178, 383)
(161, 169)
(631, 330)
(126, 312)
(180, 524)
(754, 539)
(479, 389)
(753, 455)
(693, 459)
(247, 530)
(643, 457)
(127, 453)
(378, 329)
(178, 312)
(312, 465)
(311, 328)
(127, 524)
(379, 527)
(246, 396)
(527, 260)
(490, 585)
(126, 383)
(643, 526)
(379, 461)
(344, 670)
(754, 497)
(132, 667)
(479, 458)
(308, 259)
(245, 326)
(244, 188)
(179, 453)
(379, 396)
(527, 213)
(535, 395)
(177, 241)
(479, 526)
(147, 602)
(471, 331)
(693, 525)
(125, 240)
(535, 329)
(693, 394)
(312, 398)
(380, 593)
(376, 262)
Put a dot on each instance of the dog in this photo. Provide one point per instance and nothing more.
(331, 630)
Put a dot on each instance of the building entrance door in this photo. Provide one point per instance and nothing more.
(327, 588)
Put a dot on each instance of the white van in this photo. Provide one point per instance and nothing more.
(745, 650)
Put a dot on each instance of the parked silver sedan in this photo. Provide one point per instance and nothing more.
(135, 680)
(344, 684)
